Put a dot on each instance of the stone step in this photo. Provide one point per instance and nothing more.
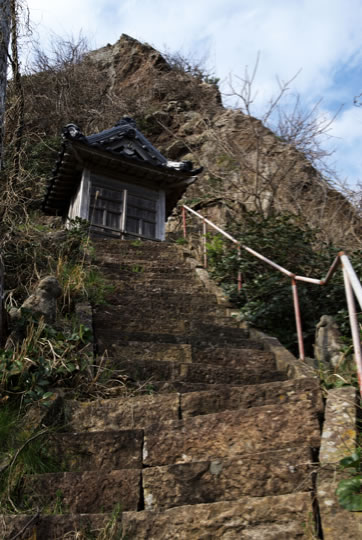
(213, 326)
(118, 273)
(165, 286)
(159, 258)
(117, 311)
(148, 370)
(129, 248)
(96, 451)
(144, 410)
(123, 307)
(141, 267)
(185, 353)
(55, 527)
(159, 298)
(233, 357)
(280, 517)
(262, 474)
(232, 434)
(108, 339)
(168, 352)
(163, 352)
(214, 400)
(132, 412)
(84, 492)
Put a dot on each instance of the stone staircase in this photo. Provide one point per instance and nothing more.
(210, 441)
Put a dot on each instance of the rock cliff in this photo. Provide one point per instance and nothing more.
(247, 167)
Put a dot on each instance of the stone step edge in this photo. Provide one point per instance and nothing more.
(170, 424)
(290, 514)
(246, 456)
(278, 385)
(44, 524)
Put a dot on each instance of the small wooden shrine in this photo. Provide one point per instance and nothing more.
(117, 181)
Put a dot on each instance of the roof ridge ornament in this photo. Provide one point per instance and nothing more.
(72, 131)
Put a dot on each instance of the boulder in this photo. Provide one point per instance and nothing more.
(328, 343)
(42, 302)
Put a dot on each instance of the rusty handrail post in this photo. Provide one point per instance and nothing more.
(354, 326)
(184, 222)
(239, 271)
(298, 321)
(204, 233)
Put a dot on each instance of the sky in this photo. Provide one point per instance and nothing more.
(320, 41)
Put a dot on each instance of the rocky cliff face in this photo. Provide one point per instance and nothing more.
(247, 167)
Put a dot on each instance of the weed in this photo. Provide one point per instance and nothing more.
(46, 357)
(181, 241)
(349, 490)
(21, 453)
(137, 269)
(309, 527)
(136, 243)
(59, 502)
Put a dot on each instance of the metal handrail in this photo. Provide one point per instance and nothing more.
(351, 282)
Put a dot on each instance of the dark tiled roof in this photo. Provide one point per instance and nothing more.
(121, 147)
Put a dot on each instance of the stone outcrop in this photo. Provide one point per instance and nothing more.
(201, 435)
(338, 441)
(247, 166)
(328, 343)
(43, 302)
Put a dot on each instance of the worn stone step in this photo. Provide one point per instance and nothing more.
(84, 492)
(267, 473)
(159, 298)
(280, 517)
(146, 249)
(124, 306)
(121, 309)
(232, 434)
(154, 406)
(163, 352)
(108, 339)
(97, 450)
(184, 353)
(182, 387)
(215, 400)
(123, 413)
(54, 527)
(148, 370)
(143, 274)
(141, 266)
(234, 357)
(157, 285)
(214, 327)
(143, 410)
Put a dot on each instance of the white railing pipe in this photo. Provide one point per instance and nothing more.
(354, 326)
(356, 286)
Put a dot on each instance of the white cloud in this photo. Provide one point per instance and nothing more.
(320, 37)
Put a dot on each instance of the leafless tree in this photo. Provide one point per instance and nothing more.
(4, 44)
(275, 163)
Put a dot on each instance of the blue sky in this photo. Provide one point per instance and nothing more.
(320, 38)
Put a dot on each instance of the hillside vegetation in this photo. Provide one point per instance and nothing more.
(257, 184)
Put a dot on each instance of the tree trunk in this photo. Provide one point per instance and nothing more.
(4, 44)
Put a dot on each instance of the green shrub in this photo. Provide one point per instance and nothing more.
(266, 298)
